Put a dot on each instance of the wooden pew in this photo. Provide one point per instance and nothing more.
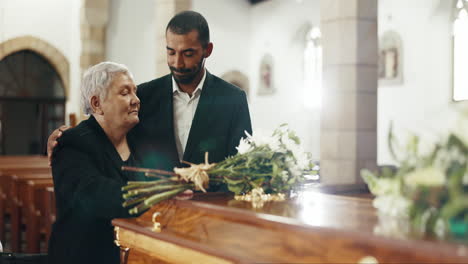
(7, 199)
(47, 195)
(32, 211)
(17, 202)
(19, 162)
(16, 165)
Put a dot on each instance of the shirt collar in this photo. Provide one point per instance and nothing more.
(175, 86)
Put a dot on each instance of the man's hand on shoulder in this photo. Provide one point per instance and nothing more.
(52, 141)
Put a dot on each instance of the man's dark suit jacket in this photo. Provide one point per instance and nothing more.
(219, 123)
(88, 178)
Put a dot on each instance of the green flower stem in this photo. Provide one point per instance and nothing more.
(154, 188)
(455, 207)
(127, 196)
(130, 186)
(217, 179)
(152, 175)
(156, 199)
(135, 201)
(141, 182)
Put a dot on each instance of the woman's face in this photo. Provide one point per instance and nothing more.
(121, 105)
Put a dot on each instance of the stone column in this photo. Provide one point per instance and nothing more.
(164, 11)
(349, 108)
(94, 18)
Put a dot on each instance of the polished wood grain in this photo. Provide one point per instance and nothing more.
(310, 228)
(166, 251)
(139, 257)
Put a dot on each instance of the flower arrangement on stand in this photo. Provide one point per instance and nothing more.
(265, 167)
(429, 191)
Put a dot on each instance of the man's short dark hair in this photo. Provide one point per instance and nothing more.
(186, 21)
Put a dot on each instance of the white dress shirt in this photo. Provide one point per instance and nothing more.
(184, 111)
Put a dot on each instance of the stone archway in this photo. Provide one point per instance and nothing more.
(34, 85)
(49, 52)
(238, 79)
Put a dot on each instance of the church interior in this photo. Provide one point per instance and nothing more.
(341, 73)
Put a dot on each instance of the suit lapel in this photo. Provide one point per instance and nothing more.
(167, 108)
(202, 117)
(166, 122)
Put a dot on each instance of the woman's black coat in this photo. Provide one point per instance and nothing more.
(88, 178)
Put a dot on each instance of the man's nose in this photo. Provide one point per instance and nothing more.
(179, 61)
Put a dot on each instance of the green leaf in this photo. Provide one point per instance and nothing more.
(237, 189)
(258, 182)
(233, 182)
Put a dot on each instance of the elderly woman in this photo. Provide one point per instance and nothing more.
(86, 168)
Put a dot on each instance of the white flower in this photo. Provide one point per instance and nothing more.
(429, 176)
(284, 176)
(386, 186)
(392, 205)
(301, 157)
(244, 146)
(445, 157)
(299, 154)
(391, 226)
(274, 145)
(288, 143)
(283, 129)
(260, 138)
(440, 229)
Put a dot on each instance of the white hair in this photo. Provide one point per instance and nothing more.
(96, 82)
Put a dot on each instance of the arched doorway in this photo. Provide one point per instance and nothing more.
(32, 102)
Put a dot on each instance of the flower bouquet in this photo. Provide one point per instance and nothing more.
(265, 165)
(428, 191)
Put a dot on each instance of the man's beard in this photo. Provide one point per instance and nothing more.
(189, 74)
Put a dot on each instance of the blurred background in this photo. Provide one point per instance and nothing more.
(273, 49)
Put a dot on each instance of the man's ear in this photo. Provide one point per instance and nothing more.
(209, 49)
(96, 105)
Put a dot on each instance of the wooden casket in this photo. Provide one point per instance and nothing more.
(311, 228)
